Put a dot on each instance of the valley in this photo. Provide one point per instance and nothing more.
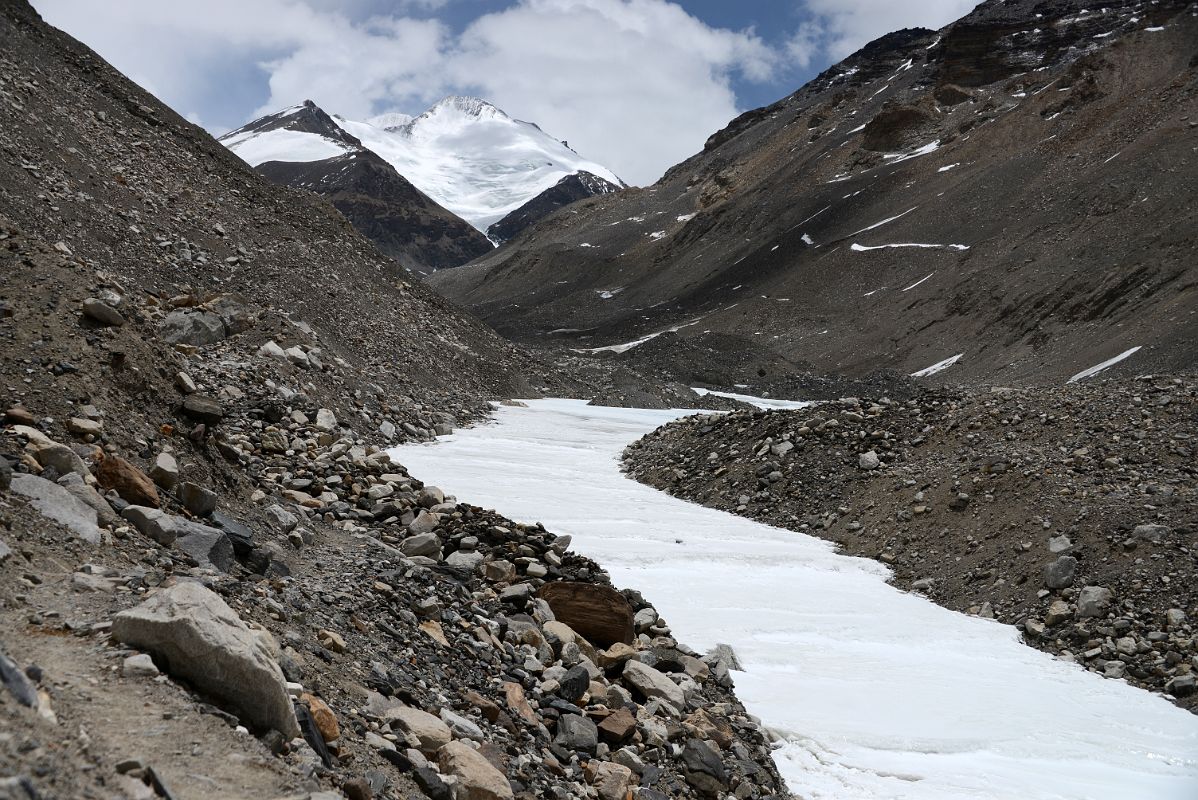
(420, 456)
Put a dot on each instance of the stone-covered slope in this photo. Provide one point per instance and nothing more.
(569, 189)
(1010, 189)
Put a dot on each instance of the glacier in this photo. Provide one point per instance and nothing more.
(873, 692)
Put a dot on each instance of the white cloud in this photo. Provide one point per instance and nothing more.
(635, 84)
(843, 26)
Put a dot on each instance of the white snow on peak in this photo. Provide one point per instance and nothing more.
(921, 280)
(284, 145)
(939, 366)
(1097, 368)
(390, 120)
(463, 152)
(886, 221)
(930, 147)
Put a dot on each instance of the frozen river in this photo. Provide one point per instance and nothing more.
(877, 693)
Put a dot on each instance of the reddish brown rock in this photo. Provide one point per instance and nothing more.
(599, 613)
(617, 727)
(19, 416)
(518, 703)
(323, 716)
(133, 485)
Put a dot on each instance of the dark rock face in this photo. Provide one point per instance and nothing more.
(308, 118)
(971, 191)
(569, 189)
(386, 208)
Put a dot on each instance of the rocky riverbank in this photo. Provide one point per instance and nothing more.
(1068, 512)
(203, 542)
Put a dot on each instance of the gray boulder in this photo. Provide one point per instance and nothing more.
(210, 547)
(56, 503)
(653, 684)
(101, 313)
(424, 544)
(197, 637)
(576, 732)
(1151, 532)
(192, 327)
(1093, 601)
(281, 518)
(1060, 573)
(703, 768)
(197, 499)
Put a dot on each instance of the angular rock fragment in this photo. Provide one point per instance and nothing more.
(197, 637)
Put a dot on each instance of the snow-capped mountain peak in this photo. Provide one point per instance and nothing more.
(463, 152)
(391, 120)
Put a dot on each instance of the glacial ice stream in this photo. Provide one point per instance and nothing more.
(876, 693)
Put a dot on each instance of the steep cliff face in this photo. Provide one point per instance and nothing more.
(1007, 192)
(383, 206)
(569, 189)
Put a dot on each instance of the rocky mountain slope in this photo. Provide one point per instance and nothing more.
(1008, 192)
(214, 582)
(463, 153)
(1070, 513)
(402, 221)
(569, 189)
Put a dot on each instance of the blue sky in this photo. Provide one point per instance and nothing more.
(637, 85)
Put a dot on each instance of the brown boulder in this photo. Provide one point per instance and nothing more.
(323, 716)
(133, 485)
(617, 727)
(598, 613)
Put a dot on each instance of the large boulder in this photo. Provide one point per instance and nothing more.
(133, 485)
(210, 547)
(75, 484)
(54, 502)
(101, 313)
(703, 768)
(599, 614)
(1061, 573)
(203, 408)
(431, 732)
(477, 779)
(195, 636)
(1093, 601)
(192, 327)
(63, 459)
(653, 684)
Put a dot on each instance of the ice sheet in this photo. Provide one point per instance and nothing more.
(877, 693)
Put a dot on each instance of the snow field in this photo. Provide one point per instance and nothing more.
(876, 693)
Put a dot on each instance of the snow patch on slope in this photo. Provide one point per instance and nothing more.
(283, 145)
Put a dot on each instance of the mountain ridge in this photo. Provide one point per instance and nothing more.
(858, 224)
(465, 153)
